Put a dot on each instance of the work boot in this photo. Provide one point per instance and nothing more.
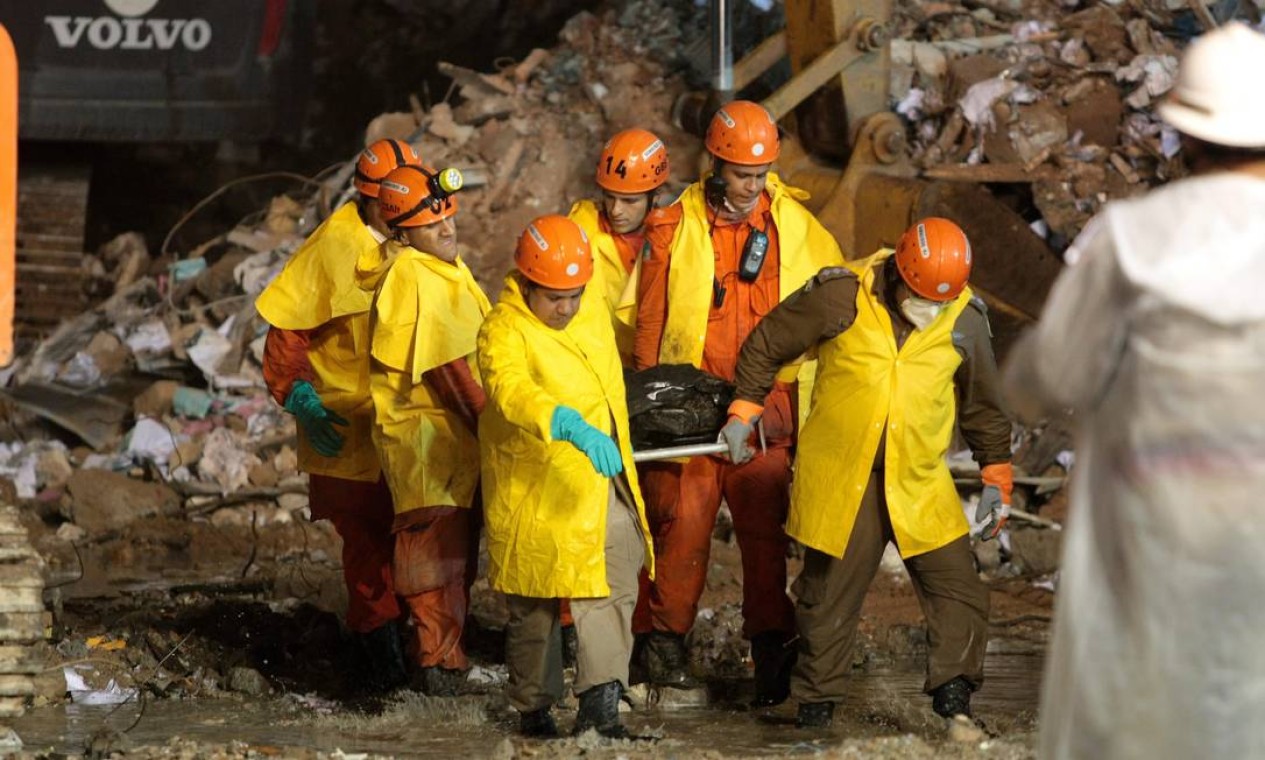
(952, 698)
(570, 646)
(667, 662)
(815, 715)
(382, 649)
(441, 682)
(774, 654)
(599, 710)
(538, 724)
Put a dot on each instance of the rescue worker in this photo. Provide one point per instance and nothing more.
(316, 365)
(1154, 335)
(901, 345)
(564, 512)
(720, 258)
(631, 169)
(427, 400)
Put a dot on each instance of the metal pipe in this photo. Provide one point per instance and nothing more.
(722, 50)
(674, 452)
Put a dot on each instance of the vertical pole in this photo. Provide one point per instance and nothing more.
(722, 50)
(8, 190)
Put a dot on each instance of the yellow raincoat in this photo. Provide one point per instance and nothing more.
(426, 313)
(320, 288)
(545, 505)
(612, 284)
(805, 248)
(863, 384)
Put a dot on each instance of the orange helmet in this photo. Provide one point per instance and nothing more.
(554, 252)
(378, 160)
(934, 259)
(744, 133)
(633, 161)
(408, 197)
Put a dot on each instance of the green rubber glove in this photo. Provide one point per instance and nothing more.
(567, 425)
(315, 419)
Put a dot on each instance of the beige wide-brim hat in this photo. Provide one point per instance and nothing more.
(1220, 91)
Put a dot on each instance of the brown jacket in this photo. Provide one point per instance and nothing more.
(826, 306)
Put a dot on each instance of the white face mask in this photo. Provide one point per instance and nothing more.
(920, 312)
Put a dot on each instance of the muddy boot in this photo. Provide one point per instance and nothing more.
(442, 682)
(952, 698)
(815, 715)
(667, 662)
(382, 649)
(570, 646)
(599, 710)
(538, 724)
(774, 654)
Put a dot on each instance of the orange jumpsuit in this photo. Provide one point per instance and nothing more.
(434, 564)
(682, 499)
(361, 512)
(629, 244)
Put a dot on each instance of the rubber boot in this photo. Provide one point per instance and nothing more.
(774, 654)
(599, 710)
(667, 661)
(952, 698)
(442, 682)
(815, 714)
(382, 649)
(538, 724)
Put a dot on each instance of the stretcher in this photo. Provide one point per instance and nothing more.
(692, 449)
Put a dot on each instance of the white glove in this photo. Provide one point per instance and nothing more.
(736, 434)
(993, 510)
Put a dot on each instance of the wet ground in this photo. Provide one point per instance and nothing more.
(179, 609)
(884, 703)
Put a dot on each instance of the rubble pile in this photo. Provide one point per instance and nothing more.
(162, 383)
(162, 379)
(527, 136)
(1057, 93)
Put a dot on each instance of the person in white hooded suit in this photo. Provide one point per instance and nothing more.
(1154, 335)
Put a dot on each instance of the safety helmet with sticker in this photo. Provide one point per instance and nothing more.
(934, 259)
(633, 161)
(408, 199)
(378, 160)
(553, 252)
(743, 133)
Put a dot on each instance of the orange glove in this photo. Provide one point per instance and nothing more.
(994, 502)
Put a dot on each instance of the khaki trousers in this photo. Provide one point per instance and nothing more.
(830, 592)
(603, 626)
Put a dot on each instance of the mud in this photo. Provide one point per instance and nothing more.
(885, 715)
(191, 613)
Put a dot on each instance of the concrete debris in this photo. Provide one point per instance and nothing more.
(103, 501)
(226, 461)
(248, 681)
(1045, 100)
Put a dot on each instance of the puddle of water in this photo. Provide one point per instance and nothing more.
(881, 702)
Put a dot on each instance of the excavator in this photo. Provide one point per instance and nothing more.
(846, 147)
